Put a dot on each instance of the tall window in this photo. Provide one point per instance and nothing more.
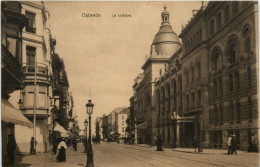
(199, 98)
(250, 108)
(220, 86)
(215, 88)
(216, 114)
(237, 80)
(42, 97)
(192, 74)
(198, 70)
(219, 21)
(232, 51)
(30, 58)
(230, 82)
(227, 14)
(187, 76)
(249, 76)
(247, 44)
(30, 27)
(231, 111)
(187, 102)
(212, 27)
(216, 61)
(193, 100)
(235, 7)
(200, 34)
(237, 110)
(220, 113)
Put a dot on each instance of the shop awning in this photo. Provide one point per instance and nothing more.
(63, 132)
(142, 125)
(11, 115)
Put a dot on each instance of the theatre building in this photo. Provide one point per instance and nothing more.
(206, 87)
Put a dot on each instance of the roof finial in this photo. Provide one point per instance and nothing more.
(164, 7)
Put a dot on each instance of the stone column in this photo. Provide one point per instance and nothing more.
(171, 134)
(178, 134)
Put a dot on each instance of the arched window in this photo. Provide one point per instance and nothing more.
(218, 20)
(247, 42)
(232, 51)
(188, 45)
(212, 26)
(215, 89)
(216, 59)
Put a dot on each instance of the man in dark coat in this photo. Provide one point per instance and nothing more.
(234, 144)
(159, 143)
(32, 149)
(11, 146)
(74, 142)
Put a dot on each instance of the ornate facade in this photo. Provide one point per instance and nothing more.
(208, 87)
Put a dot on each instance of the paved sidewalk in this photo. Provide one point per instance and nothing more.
(192, 150)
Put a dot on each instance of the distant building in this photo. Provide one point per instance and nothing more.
(104, 126)
(121, 125)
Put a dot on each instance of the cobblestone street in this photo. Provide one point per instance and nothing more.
(122, 155)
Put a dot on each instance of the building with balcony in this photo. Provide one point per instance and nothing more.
(12, 23)
(207, 88)
(37, 92)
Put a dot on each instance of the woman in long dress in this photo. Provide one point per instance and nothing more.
(62, 151)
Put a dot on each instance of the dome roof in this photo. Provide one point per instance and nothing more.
(166, 34)
(166, 40)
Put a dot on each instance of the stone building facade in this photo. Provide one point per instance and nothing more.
(207, 88)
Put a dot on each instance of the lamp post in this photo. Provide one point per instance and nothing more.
(90, 107)
(86, 141)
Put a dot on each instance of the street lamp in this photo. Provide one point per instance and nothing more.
(86, 141)
(90, 107)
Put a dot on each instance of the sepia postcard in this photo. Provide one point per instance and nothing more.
(129, 83)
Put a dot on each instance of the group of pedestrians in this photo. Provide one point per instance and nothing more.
(232, 144)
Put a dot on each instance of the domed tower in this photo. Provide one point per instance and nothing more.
(166, 41)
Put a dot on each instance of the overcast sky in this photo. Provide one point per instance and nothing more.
(105, 54)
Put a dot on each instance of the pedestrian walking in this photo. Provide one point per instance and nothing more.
(229, 144)
(62, 151)
(159, 143)
(234, 144)
(11, 146)
(32, 149)
(74, 142)
(194, 143)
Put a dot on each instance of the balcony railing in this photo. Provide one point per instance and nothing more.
(41, 69)
(10, 63)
